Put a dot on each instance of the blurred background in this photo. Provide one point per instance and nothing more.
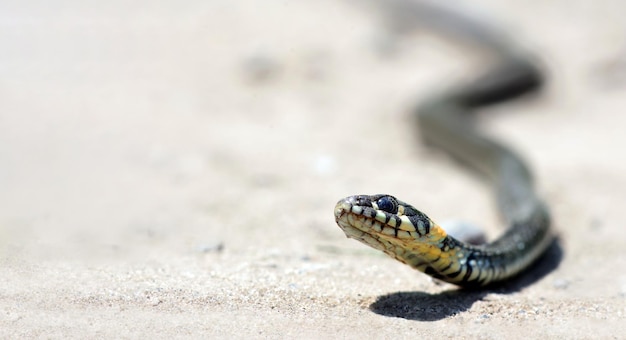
(190, 149)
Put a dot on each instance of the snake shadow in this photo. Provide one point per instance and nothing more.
(432, 307)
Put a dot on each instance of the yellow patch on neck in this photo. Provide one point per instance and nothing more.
(437, 233)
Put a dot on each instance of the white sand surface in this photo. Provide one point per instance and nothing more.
(169, 170)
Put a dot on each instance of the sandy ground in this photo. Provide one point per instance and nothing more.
(169, 169)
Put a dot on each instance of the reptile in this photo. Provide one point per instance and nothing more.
(445, 120)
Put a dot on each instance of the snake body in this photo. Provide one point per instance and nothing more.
(408, 235)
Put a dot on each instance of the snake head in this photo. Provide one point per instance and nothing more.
(370, 218)
(385, 223)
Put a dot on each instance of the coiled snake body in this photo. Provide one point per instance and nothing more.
(408, 235)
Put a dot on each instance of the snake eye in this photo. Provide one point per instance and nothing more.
(388, 204)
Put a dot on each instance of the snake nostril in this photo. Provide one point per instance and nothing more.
(363, 201)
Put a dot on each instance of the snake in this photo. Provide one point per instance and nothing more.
(445, 121)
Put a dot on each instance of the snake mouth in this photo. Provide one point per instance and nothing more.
(358, 224)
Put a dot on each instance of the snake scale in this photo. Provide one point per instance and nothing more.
(445, 121)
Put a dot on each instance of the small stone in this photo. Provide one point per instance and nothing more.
(464, 231)
(211, 248)
(560, 283)
(260, 67)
